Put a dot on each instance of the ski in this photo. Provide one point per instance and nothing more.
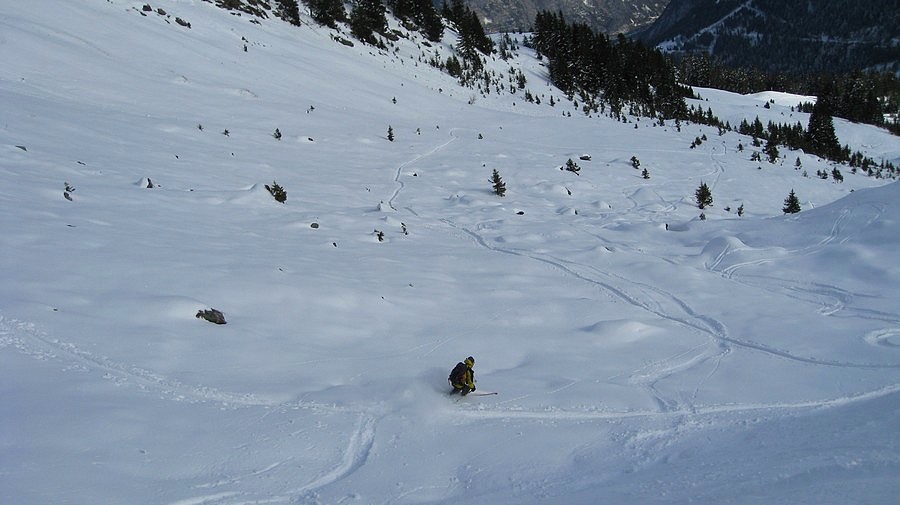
(487, 393)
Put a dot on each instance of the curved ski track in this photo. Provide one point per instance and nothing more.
(30, 341)
(670, 307)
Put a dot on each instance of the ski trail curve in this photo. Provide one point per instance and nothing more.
(399, 173)
(651, 299)
(28, 340)
(482, 412)
(670, 307)
(25, 338)
(354, 457)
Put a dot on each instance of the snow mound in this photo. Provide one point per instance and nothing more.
(622, 332)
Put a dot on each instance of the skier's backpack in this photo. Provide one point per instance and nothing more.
(458, 375)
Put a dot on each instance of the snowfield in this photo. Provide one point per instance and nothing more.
(640, 354)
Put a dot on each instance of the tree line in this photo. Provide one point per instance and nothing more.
(368, 17)
(616, 72)
(862, 97)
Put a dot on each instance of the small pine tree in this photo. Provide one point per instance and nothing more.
(837, 175)
(791, 204)
(573, 167)
(771, 151)
(703, 196)
(277, 192)
(390, 134)
(277, 134)
(645, 174)
(497, 182)
(741, 210)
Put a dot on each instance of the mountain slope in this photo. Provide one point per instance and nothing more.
(638, 351)
(813, 36)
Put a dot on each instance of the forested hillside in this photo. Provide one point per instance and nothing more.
(797, 37)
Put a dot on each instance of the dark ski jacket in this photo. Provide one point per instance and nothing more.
(462, 376)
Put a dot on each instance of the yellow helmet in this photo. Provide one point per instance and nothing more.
(470, 361)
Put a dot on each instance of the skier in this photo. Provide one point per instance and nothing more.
(462, 378)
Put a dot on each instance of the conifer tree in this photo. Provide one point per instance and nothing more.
(422, 14)
(427, 19)
(791, 204)
(497, 182)
(573, 167)
(366, 19)
(453, 66)
(703, 196)
(430, 21)
(327, 12)
(771, 150)
(472, 38)
(402, 9)
(820, 136)
(277, 192)
(837, 175)
(289, 11)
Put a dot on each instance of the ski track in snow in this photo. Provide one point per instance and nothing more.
(670, 307)
(836, 234)
(831, 299)
(30, 341)
(587, 415)
(654, 300)
(275, 470)
(651, 299)
(398, 177)
(648, 376)
(354, 457)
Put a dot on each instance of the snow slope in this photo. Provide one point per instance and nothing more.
(641, 355)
